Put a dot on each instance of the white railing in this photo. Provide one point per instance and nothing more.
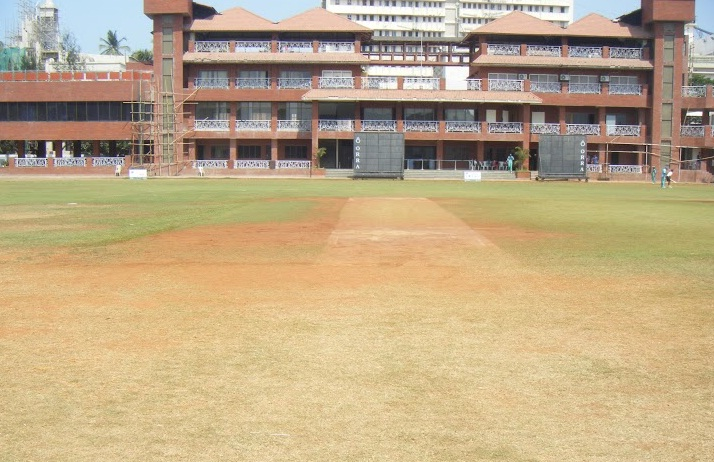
(505, 85)
(595, 168)
(295, 47)
(212, 125)
(336, 82)
(543, 50)
(505, 127)
(252, 163)
(214, 163)
(694, 92)
(294, 125)
(212, 47)
(294, 84)
(623, 130)
(585, 52)
(585, 88)
(379, 83)
(379, 125)
(711, 131)
(503, 49)
(211, 83)
(626, 53)
(336, 125)
(70, 162)
(336, 47)
(545, 87)
(107, 161)
(429, 126)
(253, 125)
(582, 129)
(257, 46)
(30, 162)
(545, 129)
(463, 127)
(625, 169)
(253, 84)
(421, 83)
(301, 164)
(625, 89)
(695, 131)
(473, 84)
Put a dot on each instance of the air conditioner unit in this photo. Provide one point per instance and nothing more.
(522, 76)
(564, 77)
(604, 78)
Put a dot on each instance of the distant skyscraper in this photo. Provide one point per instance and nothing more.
(442, 18)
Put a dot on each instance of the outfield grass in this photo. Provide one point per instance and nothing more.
(274, 320)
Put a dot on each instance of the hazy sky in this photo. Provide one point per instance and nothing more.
(89, 20)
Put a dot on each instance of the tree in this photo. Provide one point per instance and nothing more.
(111, 44)
(143, 56)
(521, 156)
(73, 60)
(699, 80)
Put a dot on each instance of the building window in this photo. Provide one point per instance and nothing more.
(296, 152)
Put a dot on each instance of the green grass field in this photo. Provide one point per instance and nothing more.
(324, 320)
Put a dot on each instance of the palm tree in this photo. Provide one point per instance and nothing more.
(143, 56)
(111, 45)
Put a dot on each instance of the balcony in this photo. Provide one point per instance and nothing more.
(694, 92)
(213, 47)
(211, 84)
(505, 127)
(545, 87)
(623, 130)
(473, 84)
(463, 127)
(253, 46)
(253, 84)
(503, 49)
(253, 125)
(505, 85)
(336, 82)
(693, 131)
(294, 84)
(336, 47)
(380, 83)
(545, 129)
(422, 126)
(379, 125)
(421, 83)
(295, 47)
(336, 125)
(294, 125)
(212, 125)
(618, 89)
(585, 52)
(626, 53)
(585, 88)
(543, 50)
(583, 129)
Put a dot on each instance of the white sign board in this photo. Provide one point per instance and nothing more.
(472, 175)
(138, 173)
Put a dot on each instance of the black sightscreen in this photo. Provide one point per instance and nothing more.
(562, 156)
(378, 155)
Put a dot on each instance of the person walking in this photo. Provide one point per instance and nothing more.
(669, 178)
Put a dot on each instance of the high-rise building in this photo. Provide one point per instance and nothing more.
(442, 18)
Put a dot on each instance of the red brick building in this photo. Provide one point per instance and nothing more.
(235, 93)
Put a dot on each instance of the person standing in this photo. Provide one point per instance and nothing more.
(669, 178)
(663, 179)
(510, 161)
(654, 174)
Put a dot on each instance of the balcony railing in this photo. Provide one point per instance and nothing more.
(299, 164)
(421, 83)
(453, 126)
(70, 162)
(337, 47)
(585, 88)
(623, 130)
(625, 89)
(585, 52)
(543, 50)
(379, 83)
(694, 92)
(31, 162)
(294, 84)
(211, 163)
(473, 84)
(252, 163)
(583, 129)
(426, 126)
(545, 129)
(253, 125)
(336, 125)
(505, 127)
(693, 131)
(107, 161)
(545, 87)
(505, 85)
(212, 47)
(295, 47)
(503, 49)
(379, 125)
(215, 125)
(211, 83)
(594, 168)
(637, 169)
(337, 82)
(294, 125)
(626, 53)
(253, 46)
(253, 84)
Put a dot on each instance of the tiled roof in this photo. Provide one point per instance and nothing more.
(448, 96)
(518, 23)
(595, 25)
(563, 63)
(276, 58)
(314, 20)
(233, 19)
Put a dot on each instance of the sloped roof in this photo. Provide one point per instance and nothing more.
(233, 19)
(563, 63)
(319, 20)
(450, 96)
(595, 25)
(519, 23)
